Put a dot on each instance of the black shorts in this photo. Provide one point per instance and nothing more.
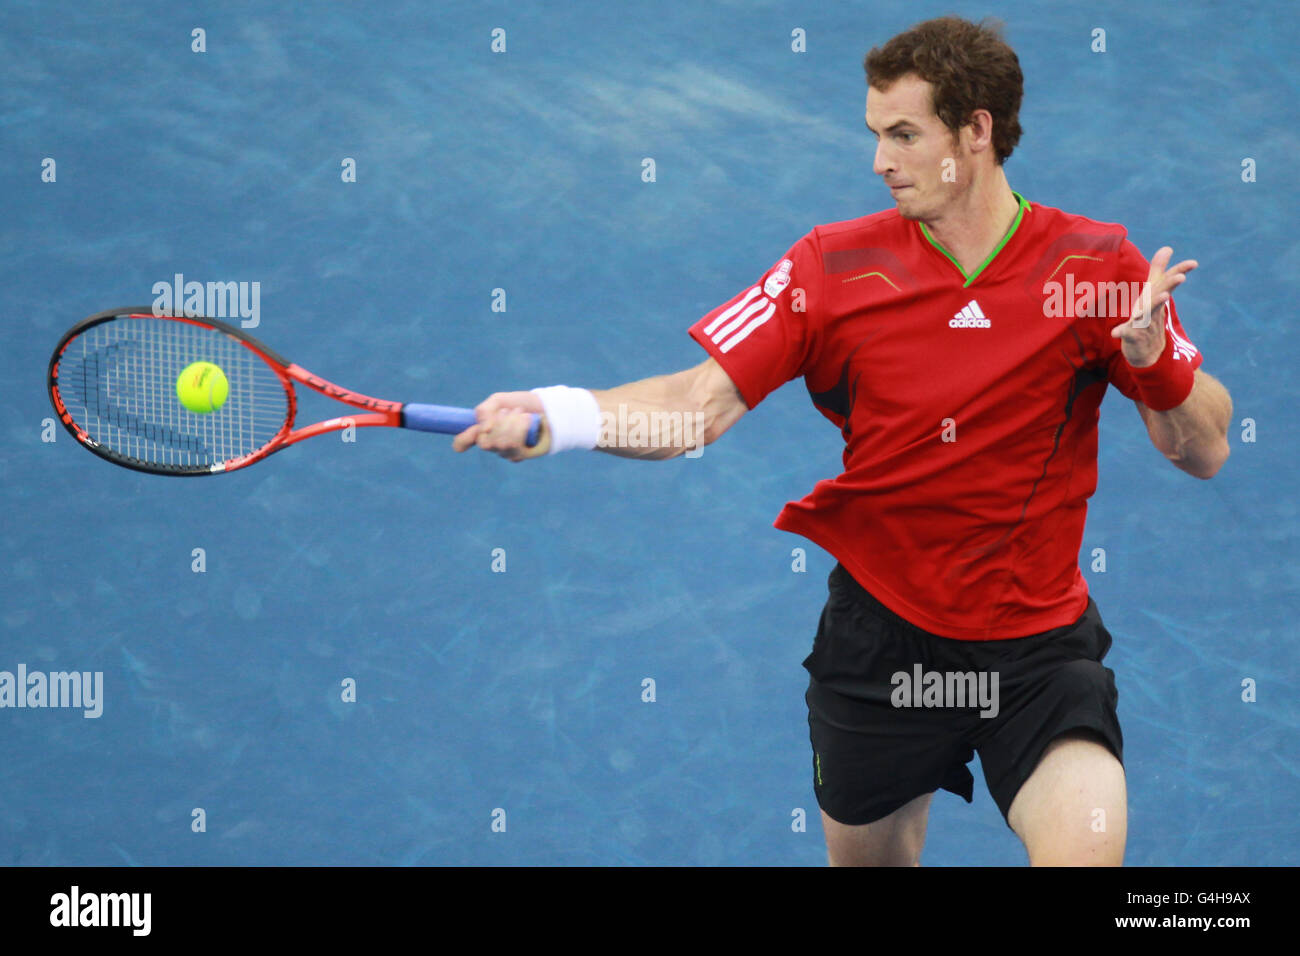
(879, 742)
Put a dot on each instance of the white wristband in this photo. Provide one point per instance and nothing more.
(573, 416)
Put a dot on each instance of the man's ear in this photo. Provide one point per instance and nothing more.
(981, 131)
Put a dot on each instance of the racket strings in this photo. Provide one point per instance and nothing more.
(118, 382)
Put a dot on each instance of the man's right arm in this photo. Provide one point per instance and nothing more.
(704, 397)
(654, 418)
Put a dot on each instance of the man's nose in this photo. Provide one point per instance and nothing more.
(883, 162)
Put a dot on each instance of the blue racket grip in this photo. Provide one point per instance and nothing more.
(448, 420)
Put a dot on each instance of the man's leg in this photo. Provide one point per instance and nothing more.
(1073, 809)
(895, 840)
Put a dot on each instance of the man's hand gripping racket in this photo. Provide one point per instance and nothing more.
(503, 424)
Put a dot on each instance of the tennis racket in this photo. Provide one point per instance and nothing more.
(112, 380)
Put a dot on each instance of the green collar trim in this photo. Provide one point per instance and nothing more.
(1020, 214)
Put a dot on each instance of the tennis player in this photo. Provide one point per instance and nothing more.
(962, 342)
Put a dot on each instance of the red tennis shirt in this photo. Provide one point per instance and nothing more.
(968, 405)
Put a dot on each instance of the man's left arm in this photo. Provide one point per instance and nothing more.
(1191, 433)
(1194, 435)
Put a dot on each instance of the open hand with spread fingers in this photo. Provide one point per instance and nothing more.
(1142, 336)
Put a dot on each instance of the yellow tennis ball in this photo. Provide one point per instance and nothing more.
(202, 387)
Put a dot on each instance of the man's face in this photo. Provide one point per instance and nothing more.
(912, 144)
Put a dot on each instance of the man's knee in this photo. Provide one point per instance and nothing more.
(894, 840)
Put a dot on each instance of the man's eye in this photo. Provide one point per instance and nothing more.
(906, 137)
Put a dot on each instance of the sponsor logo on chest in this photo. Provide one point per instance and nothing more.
(971, 316)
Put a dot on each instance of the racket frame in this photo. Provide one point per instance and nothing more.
(380, 412)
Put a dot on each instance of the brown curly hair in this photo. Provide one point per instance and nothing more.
(970, 67)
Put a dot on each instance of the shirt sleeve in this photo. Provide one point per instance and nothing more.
(1135, 269)
(765, 335)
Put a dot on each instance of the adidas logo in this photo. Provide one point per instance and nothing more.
(970, 317)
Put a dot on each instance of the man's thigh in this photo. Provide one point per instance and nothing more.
(871, 758)
(1073, 809)
(872, 761)
(1053, 687)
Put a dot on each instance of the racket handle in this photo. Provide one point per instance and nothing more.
(448, 420)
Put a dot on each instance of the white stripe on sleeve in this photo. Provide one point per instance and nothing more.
(757, 306)
(723, 317)
(740, 336)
